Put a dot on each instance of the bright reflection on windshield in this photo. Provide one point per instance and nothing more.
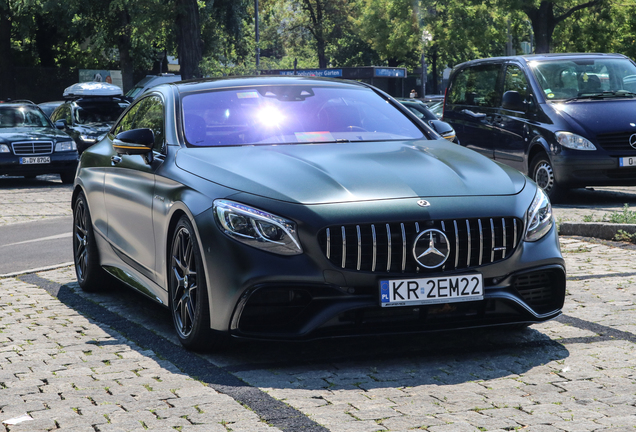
(277, 114)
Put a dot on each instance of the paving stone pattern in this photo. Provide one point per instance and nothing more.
(576, 373)
(31, 200)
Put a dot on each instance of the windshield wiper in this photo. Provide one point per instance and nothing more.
(603, 95)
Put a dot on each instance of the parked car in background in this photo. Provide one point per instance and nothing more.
(48, 107)
(567, 120)
(30, 145)
(426, 115)
(299, 208)
(89, 111)
(149, 82)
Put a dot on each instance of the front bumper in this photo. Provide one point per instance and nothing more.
(64, 162)
(255, 294)
(594, 168)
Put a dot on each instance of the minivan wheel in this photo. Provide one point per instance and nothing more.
(543, 174)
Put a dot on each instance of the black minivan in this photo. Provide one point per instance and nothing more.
(567, 120)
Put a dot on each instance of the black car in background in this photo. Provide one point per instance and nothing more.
(567, 120)
(89, 111)
(421, 110)
(299, 208)
(30, 145)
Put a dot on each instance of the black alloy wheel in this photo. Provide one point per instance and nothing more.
(90, 276)
(188, 290)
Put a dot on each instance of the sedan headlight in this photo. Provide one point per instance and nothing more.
(4, 148)
(257, 228)
(538, 217)
(574, 141)
(88, 138)
(65, 146)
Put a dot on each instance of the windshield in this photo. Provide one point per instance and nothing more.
(22, 116)
(292, 114)
(572, 78)
(98, 112)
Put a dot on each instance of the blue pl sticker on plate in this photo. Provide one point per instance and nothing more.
(384, 291)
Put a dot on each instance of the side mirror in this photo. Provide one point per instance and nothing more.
(61, 124)
(513, 101)
(134, 142)
(443, 128)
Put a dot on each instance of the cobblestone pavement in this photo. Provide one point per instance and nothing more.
(67, 365)
(26, 200)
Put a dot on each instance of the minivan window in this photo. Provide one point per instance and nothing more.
(575, 78)
(515, 80)
(476, 86)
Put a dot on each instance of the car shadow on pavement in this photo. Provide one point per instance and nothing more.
(441, 358)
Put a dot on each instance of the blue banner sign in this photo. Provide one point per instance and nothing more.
(317, 72)
(390, 72)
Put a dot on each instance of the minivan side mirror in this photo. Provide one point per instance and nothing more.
(513, 101)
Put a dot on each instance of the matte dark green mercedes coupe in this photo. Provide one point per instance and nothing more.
(299, 208)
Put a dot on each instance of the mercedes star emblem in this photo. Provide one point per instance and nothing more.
(423, 203)
(632, 141)
(431, 248)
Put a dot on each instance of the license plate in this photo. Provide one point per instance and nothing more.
(447, 289)
(627, 161)
(35, 160)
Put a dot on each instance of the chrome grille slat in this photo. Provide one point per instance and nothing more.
(368, 250)
(403, 248)
(359, 247)
(388, 257)
(23, 148)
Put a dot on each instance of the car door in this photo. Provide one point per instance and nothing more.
(129, 190)
(472, 106)
(512, 120)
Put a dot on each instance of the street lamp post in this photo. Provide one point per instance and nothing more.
(258, 49)
(426, 38)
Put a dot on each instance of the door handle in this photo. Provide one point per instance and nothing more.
(115, 159)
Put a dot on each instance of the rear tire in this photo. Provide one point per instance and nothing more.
(188, 291)
(90, 276)
(542, 172)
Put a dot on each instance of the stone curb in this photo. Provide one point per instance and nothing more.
(601, 230)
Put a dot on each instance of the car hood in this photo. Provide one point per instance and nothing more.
(30, 134)
(600, 116)
(330, 173)
(92, 128)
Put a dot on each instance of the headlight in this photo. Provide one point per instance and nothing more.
(65, 146)
(88, 138)
(4, 148)
(574, 141)
(538, 217)
(257, 228)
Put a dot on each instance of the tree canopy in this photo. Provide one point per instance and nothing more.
(217, 37)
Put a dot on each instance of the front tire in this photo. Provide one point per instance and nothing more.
(90, 276)
(189, 305)
(542, 172)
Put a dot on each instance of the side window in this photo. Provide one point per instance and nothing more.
(63, 112)
(127, 122)
(477, 86)
(515, 80)
(150, 115)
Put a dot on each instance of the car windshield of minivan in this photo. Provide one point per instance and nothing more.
(278, 114)
(572, 79)
(95, 112)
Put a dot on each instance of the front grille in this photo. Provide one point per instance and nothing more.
(388, 247)
(617, 142)
(32, 148)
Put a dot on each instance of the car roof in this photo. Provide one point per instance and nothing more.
(196, 85)
(536, 57)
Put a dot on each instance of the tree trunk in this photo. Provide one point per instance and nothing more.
(45, 36)
(189, 44)
(7, 87)
(124, 44)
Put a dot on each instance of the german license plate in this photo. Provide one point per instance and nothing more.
(35, 160)
(627, 161)
(447, 289)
